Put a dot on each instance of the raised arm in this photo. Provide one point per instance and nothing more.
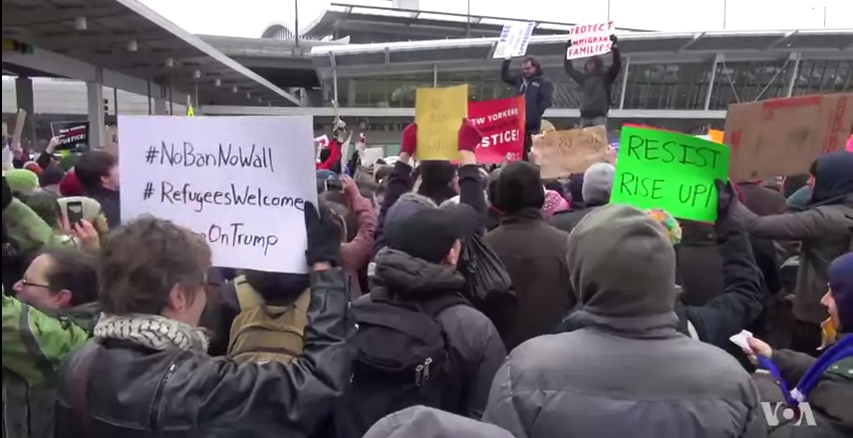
(616, 66)
(508, 76)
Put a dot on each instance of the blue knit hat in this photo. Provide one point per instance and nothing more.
(841, 284)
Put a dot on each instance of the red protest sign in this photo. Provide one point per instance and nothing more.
(501, 121)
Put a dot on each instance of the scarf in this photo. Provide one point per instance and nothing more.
(151, 331)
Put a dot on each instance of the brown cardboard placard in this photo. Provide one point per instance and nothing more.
(782, 137)
(562, 153)
(15, 142)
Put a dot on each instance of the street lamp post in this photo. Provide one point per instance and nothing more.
(296, 22)
(468, 21)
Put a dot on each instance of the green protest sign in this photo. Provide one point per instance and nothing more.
(668, 170)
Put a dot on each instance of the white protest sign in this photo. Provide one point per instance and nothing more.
(514, 40)
(241, 182)
(370, 155)
(590, 40)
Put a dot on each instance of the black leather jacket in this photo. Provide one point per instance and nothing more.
(114, 389)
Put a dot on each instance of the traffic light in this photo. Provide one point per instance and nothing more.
(10, 45)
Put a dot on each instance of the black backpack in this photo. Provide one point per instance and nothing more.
(401, 360)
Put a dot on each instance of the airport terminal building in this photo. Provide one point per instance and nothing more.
(371, 60)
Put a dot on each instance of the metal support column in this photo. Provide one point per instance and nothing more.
(171, 100)
(95, 97)
(150, 109)
(625, 71)
(351, 92)
(435, 75)
(334, 78)
(795, 72)
(717, 59)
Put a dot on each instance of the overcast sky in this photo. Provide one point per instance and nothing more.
(248, 18)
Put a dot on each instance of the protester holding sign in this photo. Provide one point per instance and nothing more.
(596, 84)
(676, 172)
(535, 88)
(502, 123)
(151, 362)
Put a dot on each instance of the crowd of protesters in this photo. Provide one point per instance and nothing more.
(441, 300)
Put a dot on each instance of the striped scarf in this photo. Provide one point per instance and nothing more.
(151, 331)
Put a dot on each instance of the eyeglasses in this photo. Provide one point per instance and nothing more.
(25, 282)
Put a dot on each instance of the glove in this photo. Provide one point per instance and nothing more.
(469, 136)
(569, 43)
(409, 142)
(725, 198)
(324, 235)
(7, 194)
(614, 39)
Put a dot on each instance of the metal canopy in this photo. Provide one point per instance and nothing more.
(641, 47)
(366, 23)
(127, 37)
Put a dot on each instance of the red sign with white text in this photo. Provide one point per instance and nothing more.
(501, 121)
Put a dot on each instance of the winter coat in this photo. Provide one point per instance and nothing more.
(537, 91)
(115, 388)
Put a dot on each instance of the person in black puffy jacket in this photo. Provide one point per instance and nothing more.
(147, 373)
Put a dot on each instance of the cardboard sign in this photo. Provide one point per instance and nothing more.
(439, 113)
(590, 40)
(563, 153)
(370, 156)
(783, 137)
(501, 121)
(668, 170)
(15, 142)
(71, 135)
(240, 182)
(111, 139)
(514, 40)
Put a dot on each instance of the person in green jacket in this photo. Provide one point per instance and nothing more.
(53, 313)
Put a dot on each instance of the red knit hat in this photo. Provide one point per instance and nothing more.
(33, 167)
(70, 185)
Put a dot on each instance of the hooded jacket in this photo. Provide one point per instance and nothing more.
(537, 92)
(473, 343)
(627, 371)
(423, 422)
(825, 229)
(133, 392)
(34, 345)
(533, 252)
(595, 85)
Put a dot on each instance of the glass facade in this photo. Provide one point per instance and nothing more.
(678, 86)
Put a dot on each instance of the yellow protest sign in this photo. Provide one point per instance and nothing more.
(439, 113)
(562, 153)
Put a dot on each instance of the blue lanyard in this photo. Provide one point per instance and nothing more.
(767, 364)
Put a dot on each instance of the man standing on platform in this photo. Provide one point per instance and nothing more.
(595, 85)
(537, 94)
